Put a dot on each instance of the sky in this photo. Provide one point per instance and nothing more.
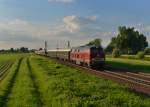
(31, 22)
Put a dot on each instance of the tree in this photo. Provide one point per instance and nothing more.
(95, 42)
(23, 49)
(129, 41)
(111, 46)
(12, 50)
(147, 51)
(40, 49)
(116, 53)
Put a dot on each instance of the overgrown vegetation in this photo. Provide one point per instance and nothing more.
(69, 87)
(141, 55)
(36, 81)
(116, 53)
(129, 64)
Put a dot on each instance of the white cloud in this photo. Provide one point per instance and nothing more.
(93, 18)
(79, 30)
(74, 23)
(71, 23)
(21, 26)
(61, 1)
(146, 28)
(18, 32)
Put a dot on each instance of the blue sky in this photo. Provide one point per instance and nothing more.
(30, 22)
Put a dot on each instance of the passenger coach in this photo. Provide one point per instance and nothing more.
(63, 54)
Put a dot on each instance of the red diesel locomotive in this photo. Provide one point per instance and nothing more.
(88, 56)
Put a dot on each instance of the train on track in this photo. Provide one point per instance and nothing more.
(89, 56)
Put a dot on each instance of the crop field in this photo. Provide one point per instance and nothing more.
(35, 81)
(131, 64)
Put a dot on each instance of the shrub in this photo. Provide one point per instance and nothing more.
(116, 53)
(147, 51)
(141, 54)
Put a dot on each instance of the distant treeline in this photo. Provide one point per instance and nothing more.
(128, 41)
(17, 50)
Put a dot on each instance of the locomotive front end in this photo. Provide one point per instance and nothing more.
(97, 57)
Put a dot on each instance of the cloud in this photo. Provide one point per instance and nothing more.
(61, 1)
(19, 31)
(23, 28)
(71, 23)
(93, 18)
(75, 23)
(79, 30)
(16, 32)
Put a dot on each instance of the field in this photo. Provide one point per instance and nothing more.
(135, 57)
(129, 64)
(36, 81)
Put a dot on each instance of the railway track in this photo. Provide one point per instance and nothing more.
(139, 82)
(139, 75)
(4, 70)
(132, 77)
(144, 74)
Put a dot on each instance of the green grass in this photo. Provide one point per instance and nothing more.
(135, 57)
(62, 86)
(131, 64)
(36, 81)
(12, 57)
(7, 83)
(23, 91)
(146, 58)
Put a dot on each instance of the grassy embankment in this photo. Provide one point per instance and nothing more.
(63, 86)
(135, 57)
(128, 63)
(36, 81)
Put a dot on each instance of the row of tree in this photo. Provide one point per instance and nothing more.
(128, 41)
(17, 50)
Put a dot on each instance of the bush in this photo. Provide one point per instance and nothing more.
(116, 53)
(141, 54)
(147, 51)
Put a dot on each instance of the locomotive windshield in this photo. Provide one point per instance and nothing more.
(97, 50)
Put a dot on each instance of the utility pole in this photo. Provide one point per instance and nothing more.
(68, 44)
(57, 47)
(45, 49)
